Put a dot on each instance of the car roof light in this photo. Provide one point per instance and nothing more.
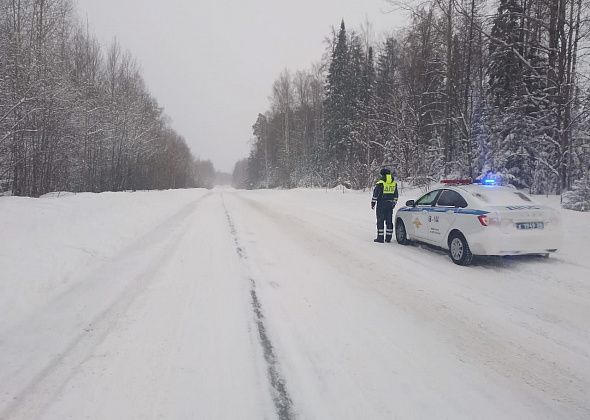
(490, 179)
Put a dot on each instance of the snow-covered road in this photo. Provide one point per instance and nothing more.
(276, 304)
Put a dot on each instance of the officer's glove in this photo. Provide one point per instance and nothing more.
(372, 206)
(394, 203)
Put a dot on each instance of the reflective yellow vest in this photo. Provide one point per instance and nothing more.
(389, 185)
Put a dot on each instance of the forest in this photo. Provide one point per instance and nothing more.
(469, 87)
(76, 118)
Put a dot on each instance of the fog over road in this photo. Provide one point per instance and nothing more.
(231, 304)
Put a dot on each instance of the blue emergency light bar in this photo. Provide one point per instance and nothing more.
(456, 181)
(489, 180)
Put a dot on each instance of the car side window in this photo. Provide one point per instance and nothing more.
(451, 199)
(428, 199)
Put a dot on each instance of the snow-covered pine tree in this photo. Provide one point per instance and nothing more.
(338, 109)
(357, 92)
(369, 129)
(390, 112)
(505, 68)
(507, 92)
(423, 75)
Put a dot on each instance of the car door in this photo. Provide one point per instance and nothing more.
(420, 223)
(444, 215)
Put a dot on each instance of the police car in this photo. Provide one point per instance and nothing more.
(470, 219)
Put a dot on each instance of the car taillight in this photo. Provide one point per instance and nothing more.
(484, 220)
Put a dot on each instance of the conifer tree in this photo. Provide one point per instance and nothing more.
(505, 68)
(507, 94)
(337, 106)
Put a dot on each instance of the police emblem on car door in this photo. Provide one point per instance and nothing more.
(420, 218)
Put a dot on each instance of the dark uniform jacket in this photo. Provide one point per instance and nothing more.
(385, 192)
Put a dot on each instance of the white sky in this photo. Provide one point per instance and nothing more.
(211, 64)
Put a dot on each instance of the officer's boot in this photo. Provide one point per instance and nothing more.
(389, 235)
(379, 237)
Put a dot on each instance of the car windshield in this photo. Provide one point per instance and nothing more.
(502, 197)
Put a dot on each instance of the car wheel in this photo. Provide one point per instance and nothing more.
(459, 249)
(400, 233)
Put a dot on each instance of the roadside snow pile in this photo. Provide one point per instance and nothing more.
(50, 244)
(58, 194)
(579, 197)
(340, 188)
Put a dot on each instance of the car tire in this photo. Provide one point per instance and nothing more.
(459, 250)
(401, 235)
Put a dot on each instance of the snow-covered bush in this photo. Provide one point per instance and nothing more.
(579, 197)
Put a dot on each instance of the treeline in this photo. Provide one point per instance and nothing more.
(205, 174)
(73, 117)
(469, 87)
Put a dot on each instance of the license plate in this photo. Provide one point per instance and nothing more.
(530, 225)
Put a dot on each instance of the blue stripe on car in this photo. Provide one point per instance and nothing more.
(444, 210)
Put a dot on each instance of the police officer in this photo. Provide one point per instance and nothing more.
(385, 197)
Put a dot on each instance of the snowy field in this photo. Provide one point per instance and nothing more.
(277, 304)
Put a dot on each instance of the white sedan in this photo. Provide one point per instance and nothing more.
(477, 219)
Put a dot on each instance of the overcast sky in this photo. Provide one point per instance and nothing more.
(211, 64)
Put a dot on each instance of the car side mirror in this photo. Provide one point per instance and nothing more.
(411, 203)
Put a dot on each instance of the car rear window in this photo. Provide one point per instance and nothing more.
(502, 197)
(451, 199)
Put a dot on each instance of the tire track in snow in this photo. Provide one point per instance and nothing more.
(31, 400)
(282, 400)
